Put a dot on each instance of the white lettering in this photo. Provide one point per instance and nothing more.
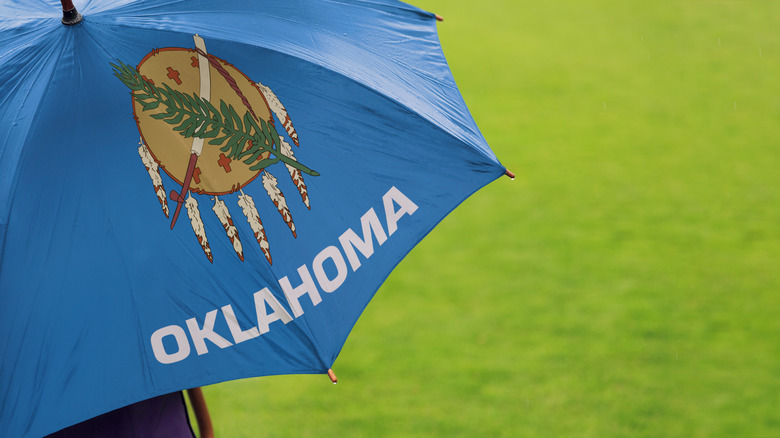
(407, 206)
(350, 240)
(238, 334)
(327, 284)
(199, 335)
(163, 356)
(307, 287)
(265, 319)
(328, 279)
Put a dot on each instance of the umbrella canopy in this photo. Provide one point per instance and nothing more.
(193, 192)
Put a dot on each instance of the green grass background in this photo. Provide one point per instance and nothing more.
(624, 285)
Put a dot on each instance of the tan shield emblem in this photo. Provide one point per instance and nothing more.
(212, 130)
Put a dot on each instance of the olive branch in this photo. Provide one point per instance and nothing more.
(241, 138)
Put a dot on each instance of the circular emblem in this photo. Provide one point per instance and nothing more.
(211, 130)
(179, 69)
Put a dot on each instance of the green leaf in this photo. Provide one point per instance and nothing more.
(186, 124)
(216, 116)
(185, 99)
(190, 132)
(166, 98)
(239, 126)
(254, 153)
(262, 164)
(209, 134)
(227, 118)
(175, 95)
(259, 137)
(274, 134)
(200, 105)
(202, 130)
(219, 141)
(194, 116)
(241, 144)
(176, 120)
(232, 146)
(160, 116)
(269, 140)
(151, 105)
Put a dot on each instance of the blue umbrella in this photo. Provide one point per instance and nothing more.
(194, 192)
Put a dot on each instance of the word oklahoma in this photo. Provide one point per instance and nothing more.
(264, 299)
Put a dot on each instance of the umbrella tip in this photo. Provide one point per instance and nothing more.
(70, 15)
(332, 376)
(439, 17)
(510, 174)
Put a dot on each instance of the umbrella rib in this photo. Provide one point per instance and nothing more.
(38, 102)
(432, 112)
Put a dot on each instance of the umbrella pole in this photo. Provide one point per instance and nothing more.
(70, 15)
(201, 411)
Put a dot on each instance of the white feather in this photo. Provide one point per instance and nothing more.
(280, 111)
(247, 205)
(223, 214)
(271, 187)
(154, 174)
(295, 174)
(197, 225)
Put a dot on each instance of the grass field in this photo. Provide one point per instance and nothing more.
(624, 285)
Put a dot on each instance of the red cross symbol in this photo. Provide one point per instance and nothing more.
(195, 62)
(173, 74)
(196, 175)
(224, 162)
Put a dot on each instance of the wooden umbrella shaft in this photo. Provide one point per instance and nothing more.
(70, 16)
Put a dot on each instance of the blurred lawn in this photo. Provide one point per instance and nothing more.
(625, 284)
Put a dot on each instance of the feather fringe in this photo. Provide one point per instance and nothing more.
(222, 212)
(280, 111)
(197, 226)
(247, 205)
(271, 187)
(295, 174)
(154, 174)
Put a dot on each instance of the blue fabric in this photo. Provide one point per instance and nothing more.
(97, 290)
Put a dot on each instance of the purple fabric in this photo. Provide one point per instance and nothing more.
(160, 417)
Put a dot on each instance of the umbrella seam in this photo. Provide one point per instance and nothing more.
(33, 124)
(475, 138)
